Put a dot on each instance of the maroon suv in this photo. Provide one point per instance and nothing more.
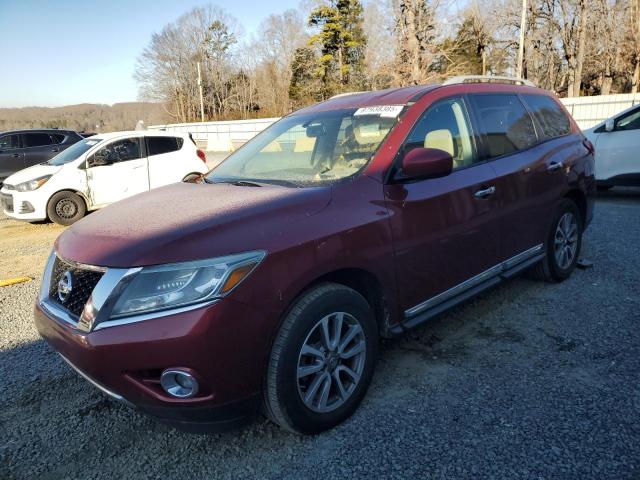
(269, 284)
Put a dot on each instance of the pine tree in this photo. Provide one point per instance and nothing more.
(341, 41)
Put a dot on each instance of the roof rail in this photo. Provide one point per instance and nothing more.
(345, 94)
(488, 79)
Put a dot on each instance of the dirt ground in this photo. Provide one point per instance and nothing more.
(24, 247)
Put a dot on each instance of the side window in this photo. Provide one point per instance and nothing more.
(550, 117)
(9, 142)
(445, 126)
(57, 138)
(631, 121)
(160, 145)
(504, 123)
(36, 139)
(115, 152)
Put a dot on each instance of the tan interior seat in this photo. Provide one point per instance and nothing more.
(440, 139)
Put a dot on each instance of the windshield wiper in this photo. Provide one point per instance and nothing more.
(245, 183)
(239, 183)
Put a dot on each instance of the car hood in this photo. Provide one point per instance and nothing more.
(187, 221)
(31, 173)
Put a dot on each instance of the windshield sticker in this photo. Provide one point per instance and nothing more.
(385, 111)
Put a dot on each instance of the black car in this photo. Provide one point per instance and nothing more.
(22, 148)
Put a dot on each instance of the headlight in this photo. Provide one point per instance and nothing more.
(180, 284)
(32, 184)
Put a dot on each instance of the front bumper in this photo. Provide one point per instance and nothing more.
(27, 206)
(125, 362)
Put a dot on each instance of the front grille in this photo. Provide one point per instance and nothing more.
(7, 202)
(83, 281)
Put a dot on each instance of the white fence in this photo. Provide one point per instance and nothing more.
(226, 136)
(219, 136)
(589, 111)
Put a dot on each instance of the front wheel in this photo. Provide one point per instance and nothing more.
(65, 208)
(322, 360)
(563, 244)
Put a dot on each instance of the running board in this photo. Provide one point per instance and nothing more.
(470, 288)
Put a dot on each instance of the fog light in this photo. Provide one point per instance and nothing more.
(26, 207)
(179, 383)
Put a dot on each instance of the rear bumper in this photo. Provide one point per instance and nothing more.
(215, 342)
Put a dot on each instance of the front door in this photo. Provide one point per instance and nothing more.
(116, 171)
(446, 232)
(11, 156)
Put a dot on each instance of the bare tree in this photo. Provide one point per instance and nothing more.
(416, 36)
(380, 51)
(280, 36)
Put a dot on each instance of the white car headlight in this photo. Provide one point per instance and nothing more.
(179, 284)
(32, 184)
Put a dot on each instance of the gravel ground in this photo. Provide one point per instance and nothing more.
(529, 380)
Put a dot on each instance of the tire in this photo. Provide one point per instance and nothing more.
(552, 268)
(284, 393)
(66, 208)
(191, 178)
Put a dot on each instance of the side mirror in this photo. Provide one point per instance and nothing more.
(427, 163)
(608, 126)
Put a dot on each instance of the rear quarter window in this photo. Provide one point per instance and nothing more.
(57, 138)
(549, 116)
(160, 145)
(504, 123)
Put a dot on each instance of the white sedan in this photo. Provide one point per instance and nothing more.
(617, 144)
(98, 171)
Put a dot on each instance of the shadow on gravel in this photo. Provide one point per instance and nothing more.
(620, 193)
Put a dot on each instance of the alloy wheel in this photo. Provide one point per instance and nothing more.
(566, 240)
(331, 362)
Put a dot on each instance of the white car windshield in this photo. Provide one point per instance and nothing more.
(74, 151)
(308, 149)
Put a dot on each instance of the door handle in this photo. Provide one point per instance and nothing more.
(55, 150)
(554, 166)
(15, 155)
(485, 192)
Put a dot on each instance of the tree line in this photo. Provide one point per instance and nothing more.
(327, 47)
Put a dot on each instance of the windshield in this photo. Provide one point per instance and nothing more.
(310, 149)
(74, 151)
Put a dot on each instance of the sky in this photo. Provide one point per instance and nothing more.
(66, 52)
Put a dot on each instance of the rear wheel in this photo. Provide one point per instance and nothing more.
(322, 360)
(65, 208)
(563, 244)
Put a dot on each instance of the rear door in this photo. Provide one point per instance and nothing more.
(165, 163)
(530, 175)
(38, 147)
(11, 156)
(446, 231)
(116, 171)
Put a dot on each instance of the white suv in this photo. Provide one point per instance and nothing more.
(98, 171)
(617, 141)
